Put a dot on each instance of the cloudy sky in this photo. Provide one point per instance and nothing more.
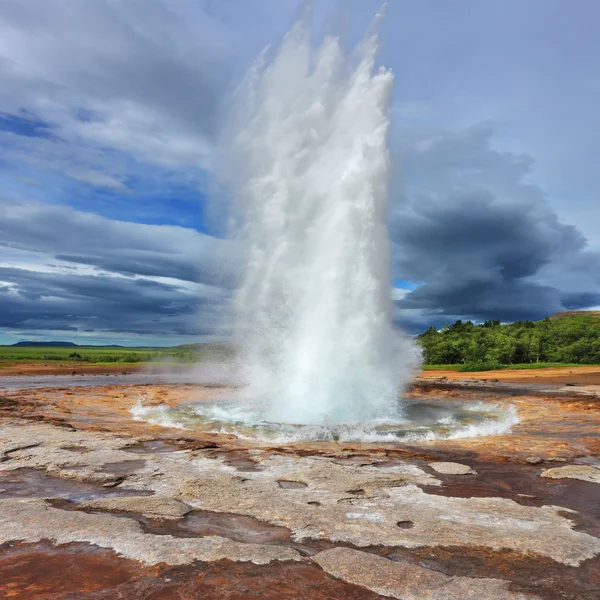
(109, 114)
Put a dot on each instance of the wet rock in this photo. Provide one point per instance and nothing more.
(534, 460)
(34, 520)
(495, 523)
(452, 468)
(408, 581)
(582, 472)
(155, 507)
(86, 475)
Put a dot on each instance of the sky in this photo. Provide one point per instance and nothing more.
(110, 112)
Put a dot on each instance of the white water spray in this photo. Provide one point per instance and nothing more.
(308, 163)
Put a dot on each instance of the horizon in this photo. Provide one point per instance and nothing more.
(109, 233)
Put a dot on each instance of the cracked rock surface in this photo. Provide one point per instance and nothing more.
(360, 521)
(34, 520)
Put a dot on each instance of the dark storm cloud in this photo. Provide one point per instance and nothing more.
(482, 241)
(91, 90)
(140, 281)
(116, 246)
(102, 303)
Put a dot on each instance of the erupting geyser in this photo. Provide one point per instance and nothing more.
(307, 161)
(306, 158)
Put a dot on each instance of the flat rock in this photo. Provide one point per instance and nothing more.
(32, 520)
(372, 518)
(347, 503)
(452, 468)
(582, 472)
(408, 581)
(534, 460)
(154, 506)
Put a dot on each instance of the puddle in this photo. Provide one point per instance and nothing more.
(236, 527)
(24, 382)
(36, 483)
(291, 485)
(246, 465)
(152, 447)
(200, 523)
(405, 524)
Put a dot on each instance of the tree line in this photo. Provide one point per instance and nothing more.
(573, 340)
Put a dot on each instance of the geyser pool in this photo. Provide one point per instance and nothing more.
(423, 420)
(307, 161)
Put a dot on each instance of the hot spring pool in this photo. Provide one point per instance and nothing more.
(419, 421)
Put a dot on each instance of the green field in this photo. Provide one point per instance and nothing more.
(567, 339)
(106, 355)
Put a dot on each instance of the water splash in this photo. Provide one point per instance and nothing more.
(424, 421)
(307, 161)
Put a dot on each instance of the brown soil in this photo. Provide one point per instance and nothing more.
(554, 375)
(83, 571)
(37, 368)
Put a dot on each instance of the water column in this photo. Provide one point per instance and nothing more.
(309, 168)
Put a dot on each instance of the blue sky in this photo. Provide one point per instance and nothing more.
(109, 116)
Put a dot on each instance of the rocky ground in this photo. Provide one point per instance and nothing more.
(94, 504)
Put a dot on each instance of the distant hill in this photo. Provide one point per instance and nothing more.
(204, 345)
(593, 315)
(62, 345)
(47, 344)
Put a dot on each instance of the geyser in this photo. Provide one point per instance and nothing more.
(308, 165)
(307, 162)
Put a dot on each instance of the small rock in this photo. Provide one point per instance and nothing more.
(151, 506)
(581, 472)
(113, 482)
(534, 460)
(451, 468)
(407, 581)
(570, 384)
(494, 380)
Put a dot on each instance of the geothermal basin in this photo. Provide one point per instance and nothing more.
(415, 420)
(123, 506)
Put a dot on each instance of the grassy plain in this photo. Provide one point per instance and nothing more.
(11, 356)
